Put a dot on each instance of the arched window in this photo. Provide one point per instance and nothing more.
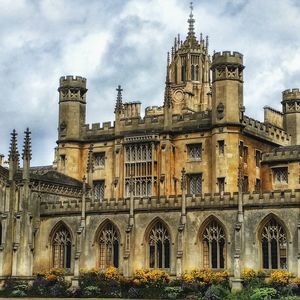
(159, 246)
(193, 72)
(214, 251)
(109, 246)
(61, 248)
(274, 245)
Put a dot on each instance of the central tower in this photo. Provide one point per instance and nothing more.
(189, 72)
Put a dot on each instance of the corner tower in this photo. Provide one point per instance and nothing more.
(227, 87)
(72, 107)
(189, 72)
(291, 114)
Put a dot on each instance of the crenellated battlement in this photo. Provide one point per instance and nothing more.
(154, 110)
(95, 129)
(291, 94)
(289, 154)
(204, 201)
(227, 57)
(267, 131)
(72, 81)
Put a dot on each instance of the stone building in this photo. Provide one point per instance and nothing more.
(195, 183)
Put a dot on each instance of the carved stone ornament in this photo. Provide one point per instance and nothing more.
(220, 111)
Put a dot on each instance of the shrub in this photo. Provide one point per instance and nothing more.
(216, 292)
(91, 291)
(280, 277)
(263, 294)
(15, 288)
(50, 283)
(151, 282)
(173, 292)
(106, 283)
(253, 279)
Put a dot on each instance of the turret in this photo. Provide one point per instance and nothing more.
(72, 107)
(189, 71)
(291, 114)
(227, 87)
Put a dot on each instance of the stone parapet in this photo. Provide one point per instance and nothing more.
(72, 81)
(203, 202)
(290, 95)
(266, 131)
(282, 155)
(227, 57)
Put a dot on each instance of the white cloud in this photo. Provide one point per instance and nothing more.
(125, 42)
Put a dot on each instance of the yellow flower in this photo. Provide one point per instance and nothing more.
(280, 277)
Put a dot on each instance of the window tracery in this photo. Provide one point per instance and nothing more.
(109, 246)
(274, 246)
(159, 247)
(214, 251)
(61, 247)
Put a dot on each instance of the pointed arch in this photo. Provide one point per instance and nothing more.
(107, 238)
(61, 245)
(213, 237)
(158, 243)
(273, 239)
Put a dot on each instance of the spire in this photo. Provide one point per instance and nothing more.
(13, 155)
(119, 104)
(168, 97)
(13, 150)
(27, 145)
(191, 21)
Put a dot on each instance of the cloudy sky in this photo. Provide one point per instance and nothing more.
(125, 42)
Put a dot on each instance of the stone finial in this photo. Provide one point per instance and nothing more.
(27, 145)
(119, 104)
(90, 161)
(183, 179)
(191, 21)
(168, 96)
(13, 151)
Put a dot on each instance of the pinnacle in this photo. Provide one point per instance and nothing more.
(27, 145)
(191, 21)
(90, 162)
(119, 104)
(168, 97)
(13, 151)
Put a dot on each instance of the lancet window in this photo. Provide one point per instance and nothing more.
(109, 241)
(195, 67)
(159, 247)
(61, 248)
(139, 169)
(274, 246)
(214, 251)
(183, 68)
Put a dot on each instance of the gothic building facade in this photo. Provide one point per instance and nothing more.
(194, 183)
